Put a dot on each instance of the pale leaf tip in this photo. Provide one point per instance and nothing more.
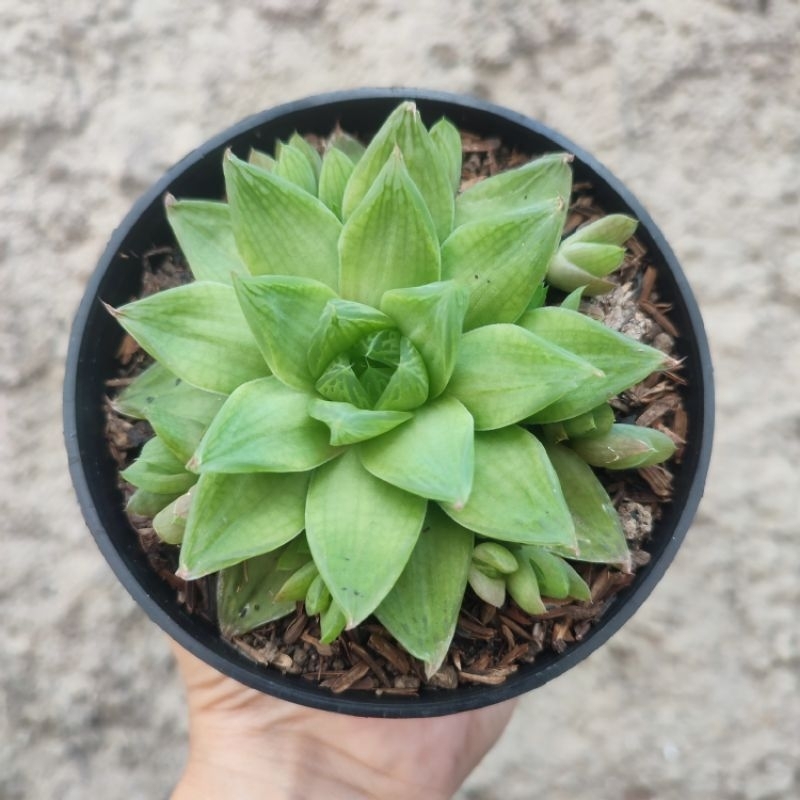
(568, 158)
(410, 107)
(183, 573)
(169, 200)
(228, 155)
(193, 464)
(115, 312)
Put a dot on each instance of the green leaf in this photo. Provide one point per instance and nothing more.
(493, 556)
(373, 159)
(318, 597)
(197, 332)
(351, 147)
(246, 595)
(342, 324)
(148, 504)
(597, 259)
(158, 470)
(182, 424)
(205, 235)
(504, 373)
(296, 586)
(597, 421)
(264, 427)
(491, 590)
(282, 312)
(332, 622)
(597, 526)
(261, 160)
(170, 522)
(309, 151)
(150, 386)
(236, 517)
(573, 300)
(421, 610)
(625, 447)
(524, 588)
(349, 424)
(431, 455)
(613, 229)
(624, 361)
(361, 532)
(430, 172)
(279, 228)
(390, 240)
(515, 495)
(431, 317)
(340, 384)
(551, 572)
(408, 385)
(447, 140)
(569, 277)
(539, 297)
(544, 179)
(336, 171)
(295, 554)
(294, 166)
(502, 260)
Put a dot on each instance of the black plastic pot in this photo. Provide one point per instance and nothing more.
(95, 338)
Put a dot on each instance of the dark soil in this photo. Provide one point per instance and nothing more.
(490, 643)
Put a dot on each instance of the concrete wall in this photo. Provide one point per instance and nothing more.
(696, 105)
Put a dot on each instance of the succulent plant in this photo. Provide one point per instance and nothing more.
(362, 402)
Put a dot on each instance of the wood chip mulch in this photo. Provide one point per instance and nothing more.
(490, 644)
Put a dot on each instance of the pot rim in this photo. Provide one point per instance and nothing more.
(191, 633)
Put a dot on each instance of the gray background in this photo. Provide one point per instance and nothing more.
(696, 105)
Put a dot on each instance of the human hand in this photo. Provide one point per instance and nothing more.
(245, 745)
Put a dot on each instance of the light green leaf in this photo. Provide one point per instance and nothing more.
(447, 140)
(430, 172)
(246, 595)
(181, 425)
(349, 424)
(318, 596)
(296, 586)
(625, 447)
(597, 526)
(539, 297)
(342, 324)
(148, 504)
(573, 300)
(431, 455)
(309, 151)
(421, 610)
(262, 160)
(351, 147)
(408, 385)
(624, 361)
(170, 522)
(282, 312)
(544, 179)
(592, 423)
(502, 260)
(551, 571)
(336, 171)
(373, 159)
(205, 235)
(236, 517)
(432, 317)
(493, 556)
(294, 166)
(197, 332)
(332, 622)
(491, 590)
(158, 470)
(569, 277)
(295, 554)
(340, 384)
(597, 259)
(612, 229)
(361, 532)
(263, 427)
(279, 228)
(390, 240)
(150, 386)
(524, 588)
(504, 373)
(515, 495)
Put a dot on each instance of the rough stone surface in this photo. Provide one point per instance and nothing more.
(696, 105)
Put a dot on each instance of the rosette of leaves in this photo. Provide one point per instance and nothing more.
(361, 402)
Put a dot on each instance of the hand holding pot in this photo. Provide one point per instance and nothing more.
(245, 744)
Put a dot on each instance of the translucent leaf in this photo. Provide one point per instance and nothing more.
(294, 166)
(148, 504)
(246, 595)
(596, 259)
(282, 312)
(295, 554)
(155, 383)
(447, 140)
(389, 241)
(236, 517)
(421, 611)
(544, 179)
(279, 228)
(494, 556)
(296, 586)
(524, 588)
(181, 422)
(491, 590)
(569, 277)
(623, 360)
(170, 522)
(573, 300)
(332, 622)
(197, 332)
(318, 596)
(349, 424)
(431, 317)
(263, 427)
(342, 324)
(592, 423)
(431, 455)
(351, 147)
(551, 572)
(502, 261)
(261, 160)
(340, 384)
(373, 159)
(408, 385)
(625, 447)
(430, 171)
(597, 526)
(361, 532)
(336, 171)
(309, 151)
(515, 495)
(205, 235)
(504, 373)
(613, 229)
(158, 470)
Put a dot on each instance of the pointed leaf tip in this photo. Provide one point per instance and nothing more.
(169, 200)
(116, 313)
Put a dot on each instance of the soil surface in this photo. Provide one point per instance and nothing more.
(696, 106)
